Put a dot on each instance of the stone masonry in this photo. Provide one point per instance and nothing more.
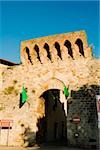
(50, 63)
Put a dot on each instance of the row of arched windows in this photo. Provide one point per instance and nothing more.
(67, 44)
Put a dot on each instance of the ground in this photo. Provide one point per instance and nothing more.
(37, 148)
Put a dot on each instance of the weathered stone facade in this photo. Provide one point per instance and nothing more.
(49, 63)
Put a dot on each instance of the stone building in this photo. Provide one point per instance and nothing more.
(47, 64)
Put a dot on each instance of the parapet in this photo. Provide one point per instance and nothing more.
(71, 45)
(6, 62)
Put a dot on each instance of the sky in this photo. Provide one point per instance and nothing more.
(24, 20)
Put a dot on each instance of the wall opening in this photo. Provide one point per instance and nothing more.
(36, 48)
(46, 47)
(68, 45)
(80, 45)
(52, 127)
(57, 46)
(28, 54)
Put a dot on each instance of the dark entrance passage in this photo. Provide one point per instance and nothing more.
(52, 127)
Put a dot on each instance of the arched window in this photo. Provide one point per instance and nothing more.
(28, 54)
(36, 48)
(80, 45)
(68, 45)
(46, 47)
(57, 46)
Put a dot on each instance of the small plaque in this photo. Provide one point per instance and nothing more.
(76, 119)
(6, 123)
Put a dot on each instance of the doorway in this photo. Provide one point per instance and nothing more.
(52, 127)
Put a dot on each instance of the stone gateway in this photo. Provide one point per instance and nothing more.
(47, 65)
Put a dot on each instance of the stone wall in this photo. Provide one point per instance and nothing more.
(62, 46)
(42, 70)
(82, 104)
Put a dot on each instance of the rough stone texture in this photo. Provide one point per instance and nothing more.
(83, 104)
(39, 72)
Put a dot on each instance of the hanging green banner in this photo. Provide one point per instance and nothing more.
(24, 95)
(66, 91)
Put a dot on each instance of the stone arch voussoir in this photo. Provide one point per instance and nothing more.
(52, 83)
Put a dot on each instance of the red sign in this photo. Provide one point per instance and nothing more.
(76, 119)
(6, 123)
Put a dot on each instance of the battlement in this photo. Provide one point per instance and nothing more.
(51, 48)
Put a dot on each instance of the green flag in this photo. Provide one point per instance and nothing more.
(24, 95)
(66, 91)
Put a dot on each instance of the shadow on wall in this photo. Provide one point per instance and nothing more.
(28, 136)
(83, 104)
(40, 135)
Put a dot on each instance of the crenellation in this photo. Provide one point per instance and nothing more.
(75, 44)
(47, 49)
(58, 49)
(79, 43)
(37, 50)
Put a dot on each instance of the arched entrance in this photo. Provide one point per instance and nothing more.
(52, 126)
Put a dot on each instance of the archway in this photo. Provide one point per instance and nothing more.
(52, 126)
(80, 45)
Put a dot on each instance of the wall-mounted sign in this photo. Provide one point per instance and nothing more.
(76, 119)
(6, 123)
